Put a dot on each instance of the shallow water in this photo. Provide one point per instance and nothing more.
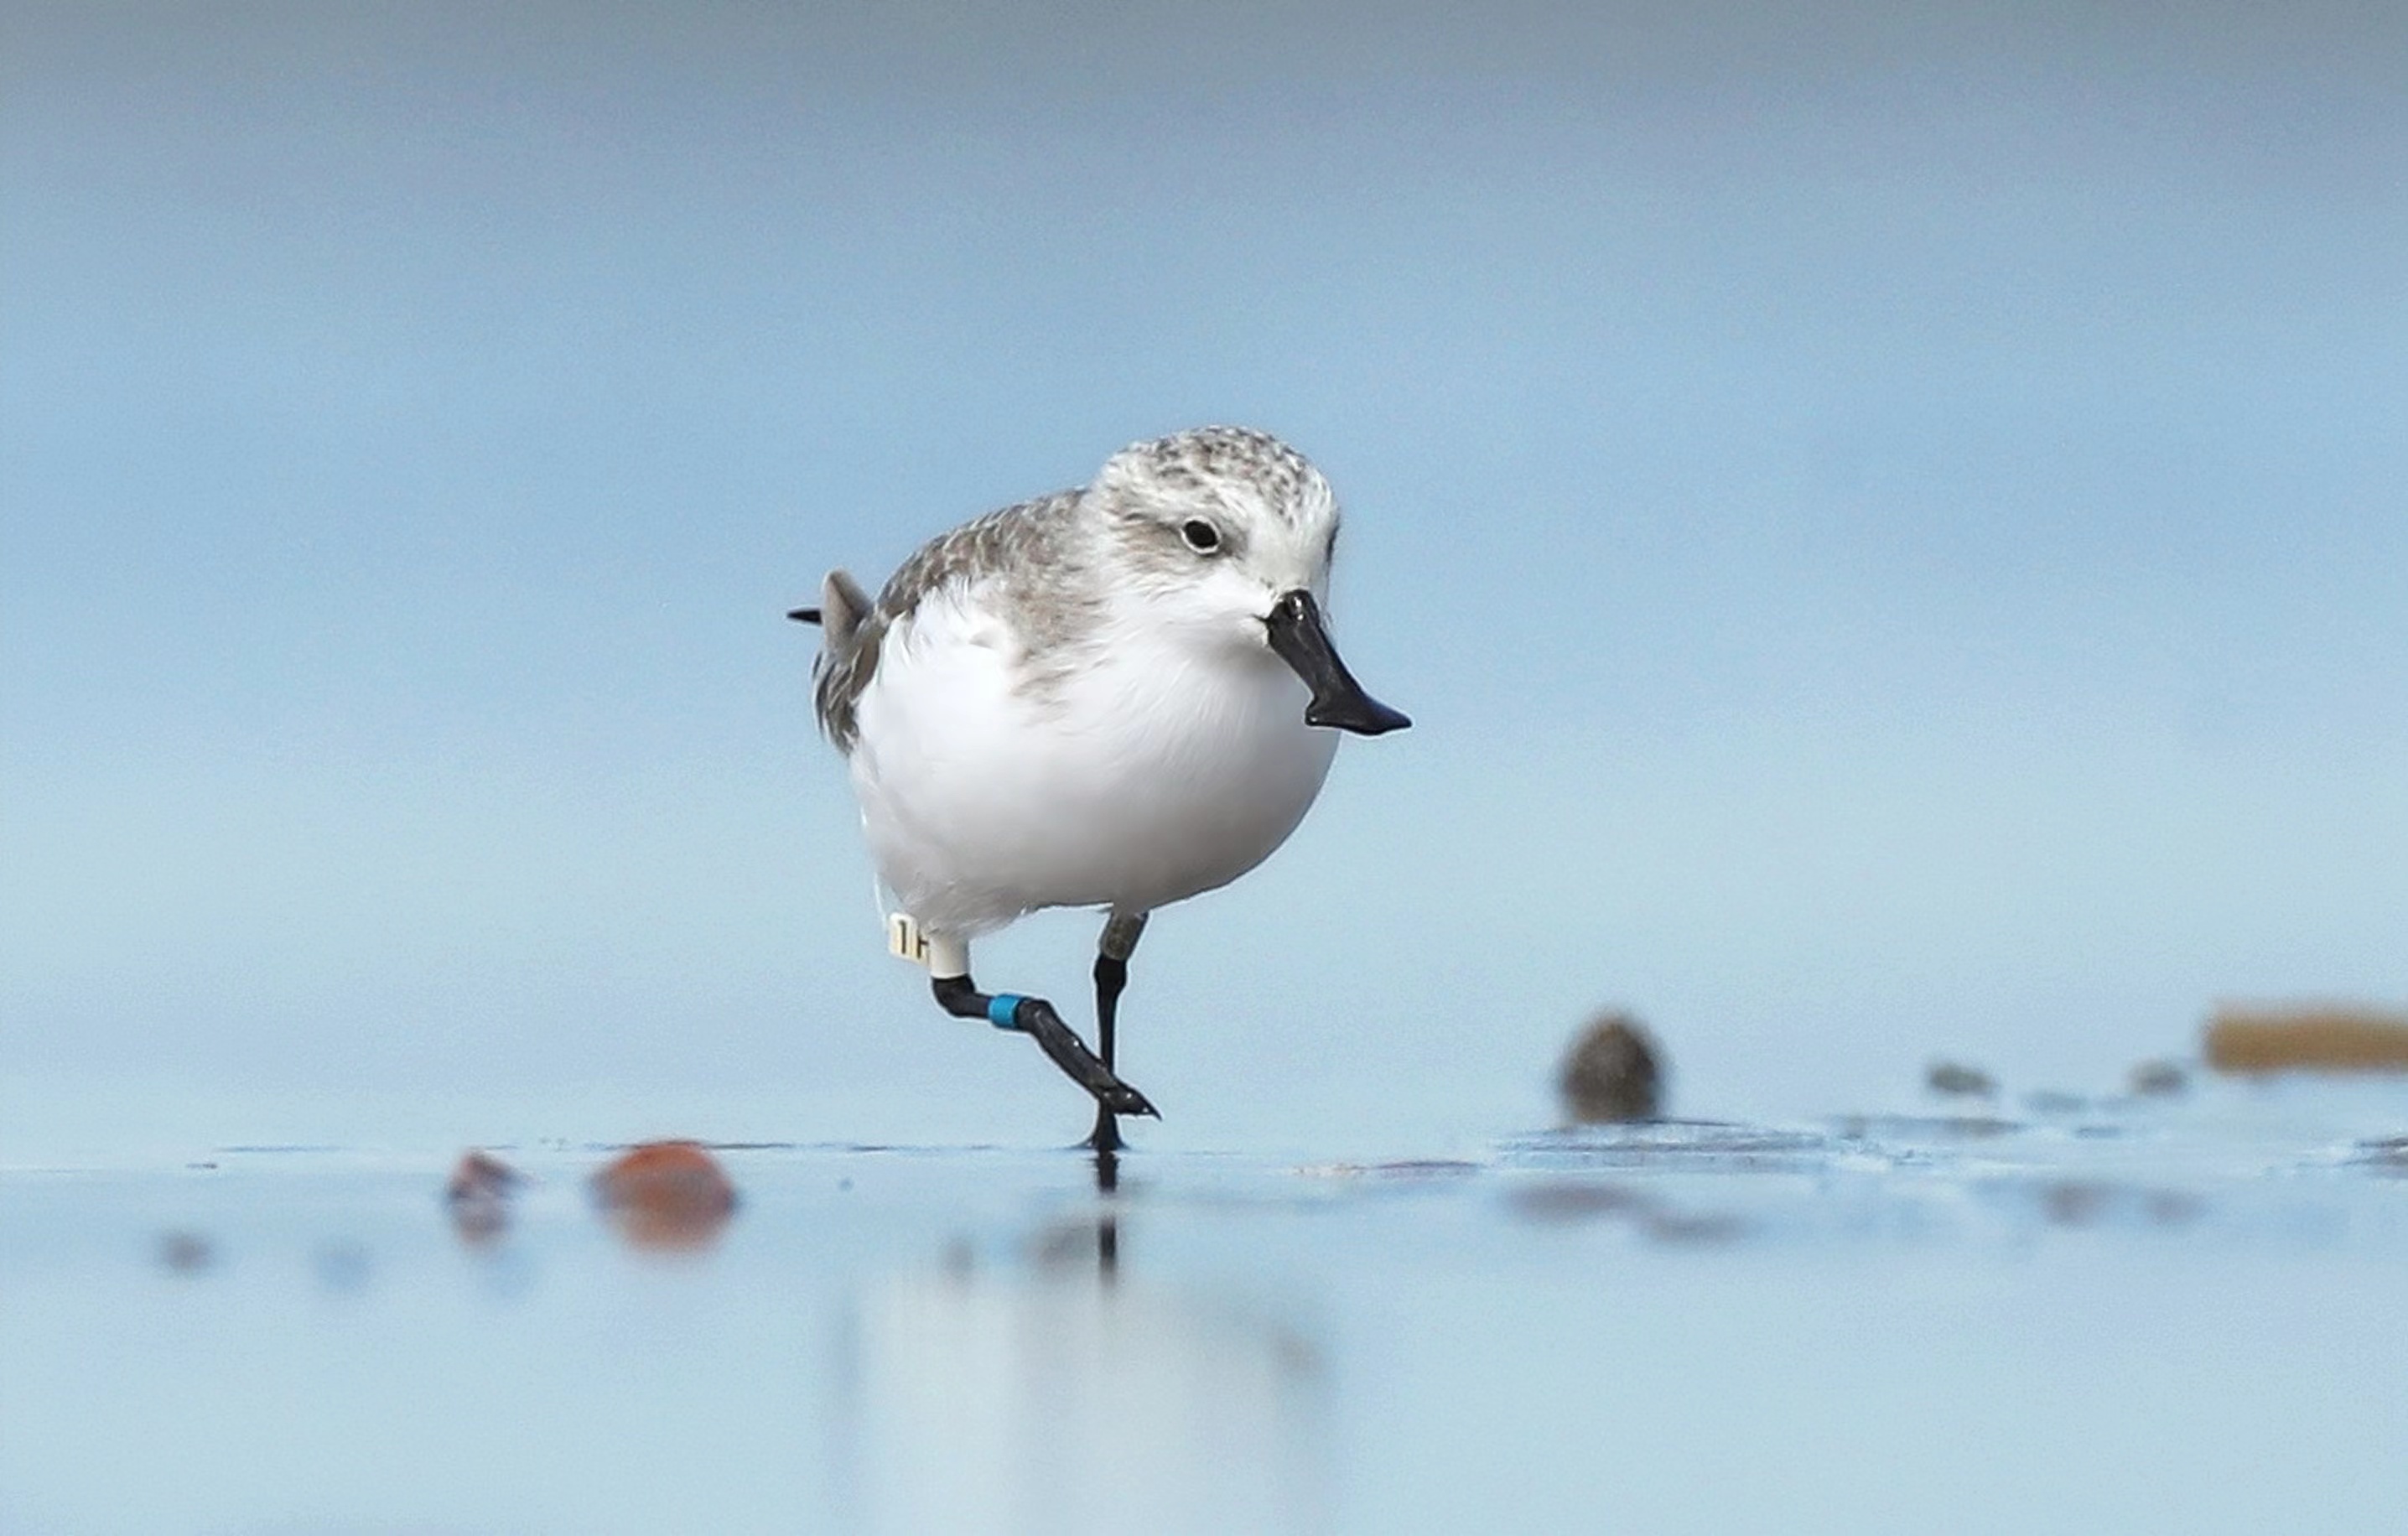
(2130, 1315)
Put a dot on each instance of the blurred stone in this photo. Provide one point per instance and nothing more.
(2324, 1038)
(1613, 1071)
(1696, 1227)
(1558, 1200)
(480, 1175)
(478, 1195)
(2171, 1207)
(2093, 1202)
(666, 1195)
(2075, 1202)
(343, 1266)
(1959, 1081)
(186, 1253)
(2388, 1155)
(2159, 1080)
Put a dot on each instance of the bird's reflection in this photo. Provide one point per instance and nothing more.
(1108, 1220)
(1061, 1386)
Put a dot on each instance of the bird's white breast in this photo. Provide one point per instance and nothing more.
(1158, 768)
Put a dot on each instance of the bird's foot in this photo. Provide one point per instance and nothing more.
(1036, 1018)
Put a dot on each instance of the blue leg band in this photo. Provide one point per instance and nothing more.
(1000, 1008)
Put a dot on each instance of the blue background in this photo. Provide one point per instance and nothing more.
(1890, 525)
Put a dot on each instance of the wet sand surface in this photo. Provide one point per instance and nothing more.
(2179, 1315)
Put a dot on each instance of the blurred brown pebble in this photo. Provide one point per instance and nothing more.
(670, 1195)
(1959, 1081)
(2318, 1037)
(479, 1196)
(1613, 1071)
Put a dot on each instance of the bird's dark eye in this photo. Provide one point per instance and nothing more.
(1201, 536)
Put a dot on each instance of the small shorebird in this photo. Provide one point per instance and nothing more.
(1117, 697)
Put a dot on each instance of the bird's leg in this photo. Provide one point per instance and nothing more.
(1113, 952)
(1036, 1018)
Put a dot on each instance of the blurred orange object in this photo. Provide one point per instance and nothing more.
(666, 1195)
(2319, 1038)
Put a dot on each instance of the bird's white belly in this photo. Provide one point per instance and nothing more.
(1147, 777)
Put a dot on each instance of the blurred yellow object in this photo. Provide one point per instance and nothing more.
(2315, 1036)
